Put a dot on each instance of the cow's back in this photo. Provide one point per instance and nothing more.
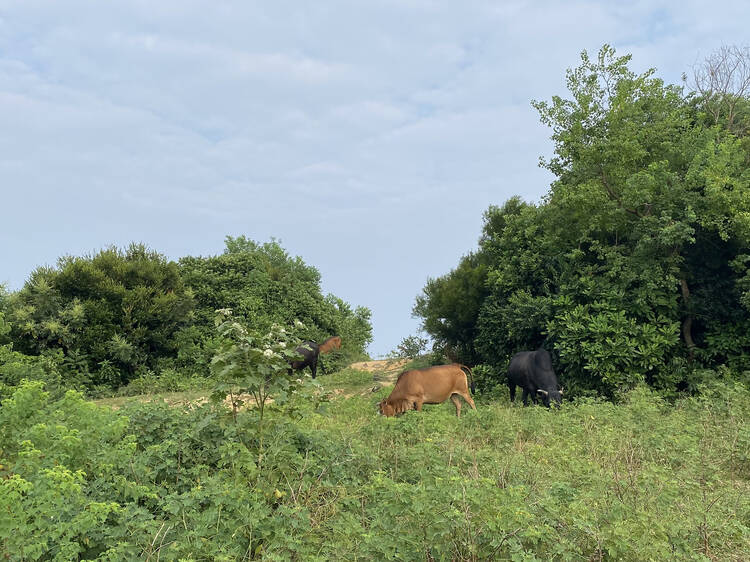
(542, 360)
(433, 382)
(543, 373)
(519, 368)
(532, 369)
(307, 349)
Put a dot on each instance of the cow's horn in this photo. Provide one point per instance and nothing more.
(540, 391)
(561, 390)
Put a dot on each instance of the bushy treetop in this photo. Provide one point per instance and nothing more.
(634, 266)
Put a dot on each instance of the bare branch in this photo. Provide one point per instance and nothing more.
(722, 80)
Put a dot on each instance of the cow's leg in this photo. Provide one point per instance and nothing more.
(314, 366)
(525, 397)
(466, 396)
(512, 388)
(457, 404)
(464, 393)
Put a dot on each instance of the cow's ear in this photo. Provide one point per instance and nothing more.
(541, 392)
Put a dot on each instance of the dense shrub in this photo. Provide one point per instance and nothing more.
(15, 367)
(264, 285)
(133, 319)
(111, 315)
(637, 481)
(634, 267)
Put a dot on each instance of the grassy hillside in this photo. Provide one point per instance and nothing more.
(642, 480)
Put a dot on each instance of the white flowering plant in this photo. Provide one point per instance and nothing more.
(254, 367)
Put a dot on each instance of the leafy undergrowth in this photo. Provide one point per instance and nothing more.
(642, 480)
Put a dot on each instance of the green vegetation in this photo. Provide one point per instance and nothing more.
(131, 321)
(105, 318)
(348, 382)
(642, 480)
(634, 268)
(263, 285)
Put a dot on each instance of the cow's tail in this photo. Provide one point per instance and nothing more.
(471, 378)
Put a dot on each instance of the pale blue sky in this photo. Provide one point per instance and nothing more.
(368, 137)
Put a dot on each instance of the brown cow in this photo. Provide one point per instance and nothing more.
(432, 385)
(334, 342)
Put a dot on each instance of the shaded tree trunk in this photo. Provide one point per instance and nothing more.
(687, 321)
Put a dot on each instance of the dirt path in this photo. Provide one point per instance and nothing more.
(385, 371)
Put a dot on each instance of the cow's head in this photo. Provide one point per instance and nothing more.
(550, 397)
(386, 409)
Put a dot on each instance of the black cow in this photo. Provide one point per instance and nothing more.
(309, 351)
(532, 371)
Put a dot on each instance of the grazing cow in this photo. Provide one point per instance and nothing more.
(532, 371)
(309, 351)
(432, 385)
(334, 342)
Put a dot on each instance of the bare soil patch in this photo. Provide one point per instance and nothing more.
(384, 371)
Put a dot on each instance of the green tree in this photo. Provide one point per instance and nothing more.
(653, 192)
(264, 285)
(449, 306)
(117, 307)
(634, 267)
(523, 274)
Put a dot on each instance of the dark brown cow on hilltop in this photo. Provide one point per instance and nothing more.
(432, 385)
(311, 352)
(334, 342)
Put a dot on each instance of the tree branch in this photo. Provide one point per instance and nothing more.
(687, 322)
(617, 198)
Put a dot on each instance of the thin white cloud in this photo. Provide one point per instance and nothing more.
(386, 126)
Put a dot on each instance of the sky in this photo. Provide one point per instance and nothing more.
(367, 137)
